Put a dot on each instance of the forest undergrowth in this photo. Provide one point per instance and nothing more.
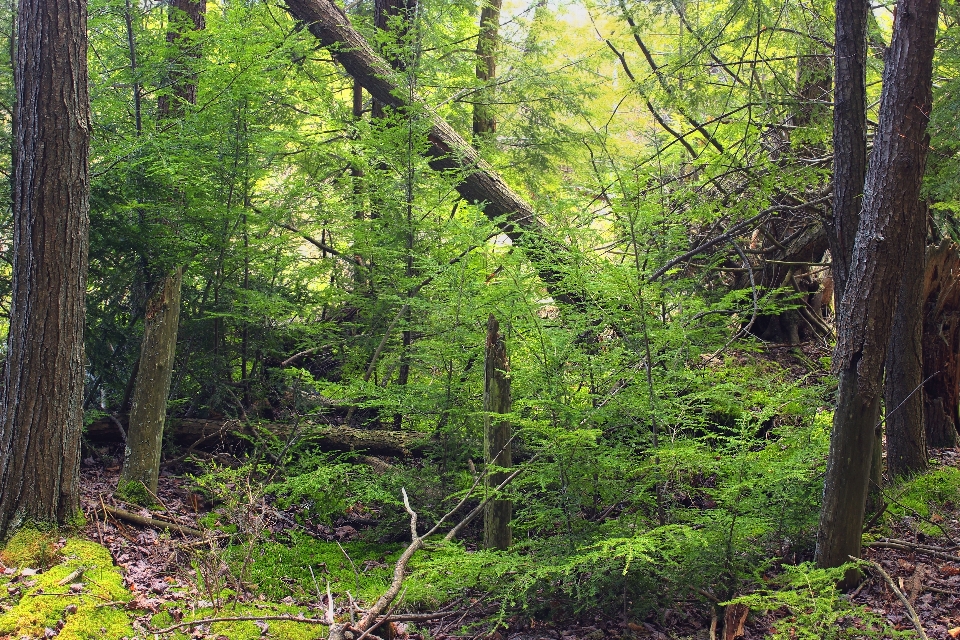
(711, 537)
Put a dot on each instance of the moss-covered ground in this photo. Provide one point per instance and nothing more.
(89, 606)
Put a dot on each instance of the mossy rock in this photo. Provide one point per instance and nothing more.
(31, 548)
(245, 629)
(135, 492)
(44, 603)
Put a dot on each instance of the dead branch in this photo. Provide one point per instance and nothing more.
(150, 522)
(907, 546)
(286, 618)
(886, 576)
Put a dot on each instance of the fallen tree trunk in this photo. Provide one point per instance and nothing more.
(477, 181)
(187, 432)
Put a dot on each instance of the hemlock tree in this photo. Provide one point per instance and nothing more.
(890, 213)
(44, 373)
(162, 314)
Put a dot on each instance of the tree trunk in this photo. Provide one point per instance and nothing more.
(44, 372)
(866, 313)
(477, 181)
(941, 345)
(849, 136)
(902, 395)
(496, 437)
(386, 14)
(162, 316)
(484, 120)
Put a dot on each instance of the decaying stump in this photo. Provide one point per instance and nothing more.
(941, 344)
(496, 437)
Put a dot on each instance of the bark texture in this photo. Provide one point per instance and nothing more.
(149, 410)
(496, 437)
(43, 377)
(941, 344)
(889, 214)
(484, 120)
(902, 394)
(849, 136)
(162, 314)
(477, 181)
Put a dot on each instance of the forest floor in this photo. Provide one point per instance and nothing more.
(171, 576)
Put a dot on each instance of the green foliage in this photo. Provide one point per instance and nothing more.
(922, 497)
(816, 609)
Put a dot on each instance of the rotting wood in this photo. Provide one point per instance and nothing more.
(378, 442)
(497, 437)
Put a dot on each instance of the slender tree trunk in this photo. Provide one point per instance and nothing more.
(849, 136)
(44, 372)
(902, 394)
(496, 437)
(162, 318)
(484, 119)
(149, 410)
(866, 313)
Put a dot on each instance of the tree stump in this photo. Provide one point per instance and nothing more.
(941, 344)
(496, 437)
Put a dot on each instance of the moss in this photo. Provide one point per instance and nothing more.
(926, 494)
(282, 570)
(31, 548)
(135, 492)
(44, 602)
(246, 630)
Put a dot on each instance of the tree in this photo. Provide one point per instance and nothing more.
(162, 314)
(497, 451)
(484, 119)
(44, 372)
(890, 213)
(849, 136)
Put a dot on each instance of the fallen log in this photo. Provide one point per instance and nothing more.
(150, 522)
(477, 181)
(191, 431)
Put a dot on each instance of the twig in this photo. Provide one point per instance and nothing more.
(148, 522)
(886, 576)
(286, 618)
(350, 560)
(909, 547)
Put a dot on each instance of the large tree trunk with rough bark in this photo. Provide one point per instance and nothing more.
(162, 314)
(889, 214)
(44, 372)
(496, 437)
(941, 345)
(477, 182)
(849, 136)
(902, 395)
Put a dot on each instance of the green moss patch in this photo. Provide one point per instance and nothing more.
(246, 629)
(31, 548)
(94, 609)
(926, 495)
